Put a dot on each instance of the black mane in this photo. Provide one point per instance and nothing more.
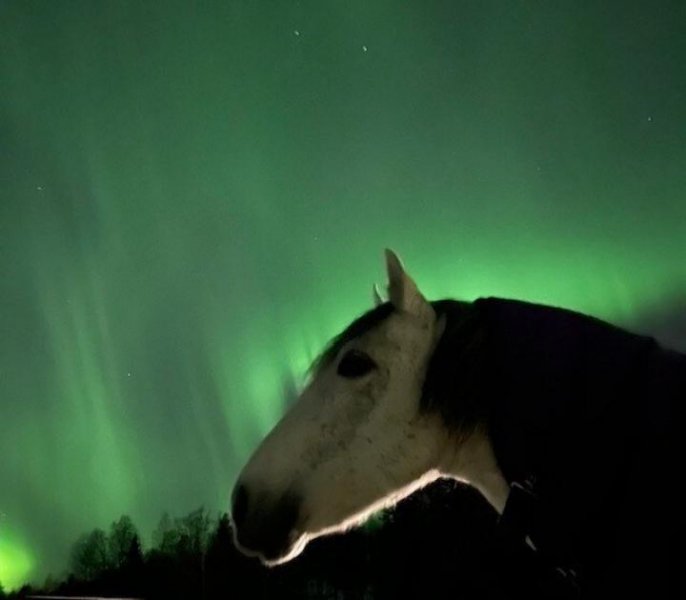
(457, 368)
(585, 412)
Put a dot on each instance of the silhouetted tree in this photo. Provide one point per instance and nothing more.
(122, 534)
(194, 531)
(134, 555)
(175, 567)
(50, 584)
(166, 536)
(2, 592)
(90, 556)
(218, 579)
(25, 590)
(133, 569)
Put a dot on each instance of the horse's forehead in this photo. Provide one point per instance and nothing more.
(392, 333)
(394, 336)
(386, 343)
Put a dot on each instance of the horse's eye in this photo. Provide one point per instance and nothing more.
(355, 364)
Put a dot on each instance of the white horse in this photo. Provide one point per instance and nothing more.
(395, 402)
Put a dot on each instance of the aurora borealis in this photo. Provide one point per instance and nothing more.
(195, 196)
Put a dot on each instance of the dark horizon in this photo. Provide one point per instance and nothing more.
(440, 539)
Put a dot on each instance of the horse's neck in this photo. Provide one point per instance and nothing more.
(473, 461)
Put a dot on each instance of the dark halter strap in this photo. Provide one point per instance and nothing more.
(520, 560)
(518, 514)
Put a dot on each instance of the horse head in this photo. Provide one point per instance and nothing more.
(355, 440)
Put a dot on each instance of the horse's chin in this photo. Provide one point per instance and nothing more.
(295, 550)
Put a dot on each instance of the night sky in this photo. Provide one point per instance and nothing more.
(195, 196)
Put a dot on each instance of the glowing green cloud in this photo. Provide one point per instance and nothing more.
(16, 562)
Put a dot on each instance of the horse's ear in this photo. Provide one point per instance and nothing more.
(402, 290)
(377, 295)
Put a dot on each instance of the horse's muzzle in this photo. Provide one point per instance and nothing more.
(261, 527)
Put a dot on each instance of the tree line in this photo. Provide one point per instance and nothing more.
(440, 542)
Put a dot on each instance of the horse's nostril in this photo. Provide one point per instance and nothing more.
(239, 502)
(286, 514)
(264, 525)
(272, 536)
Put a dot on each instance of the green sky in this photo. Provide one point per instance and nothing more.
(194, 196)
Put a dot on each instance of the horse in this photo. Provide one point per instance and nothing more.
(503, 395)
